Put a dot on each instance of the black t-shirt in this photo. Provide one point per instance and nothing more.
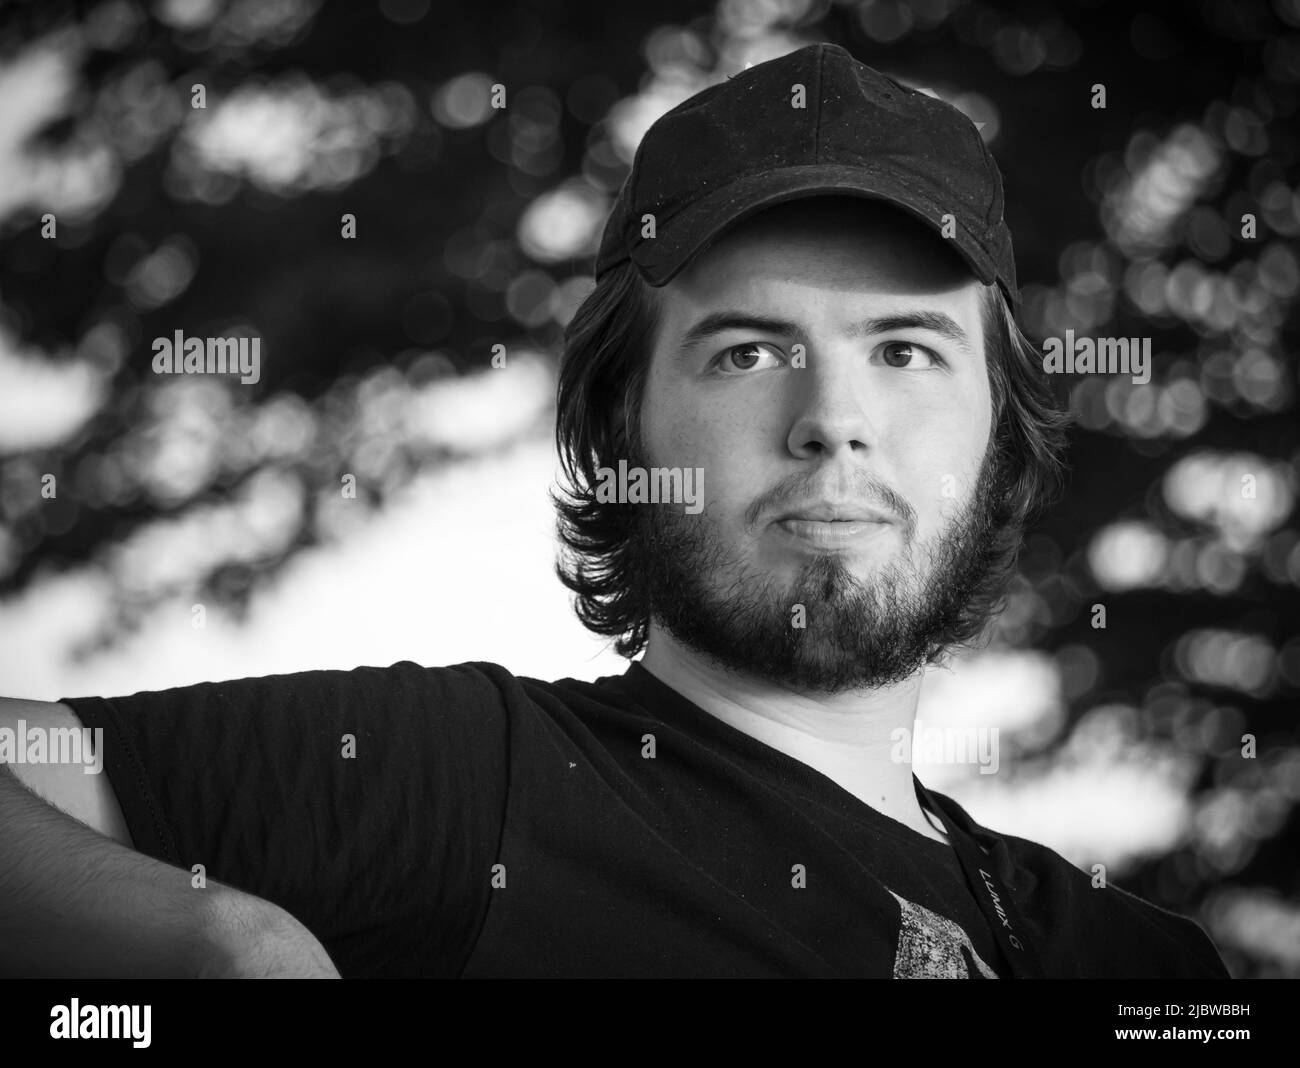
(464, 821)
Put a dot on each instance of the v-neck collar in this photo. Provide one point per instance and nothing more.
(658, 697)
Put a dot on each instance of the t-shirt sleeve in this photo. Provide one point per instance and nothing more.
(1191, 953)
(368, 803)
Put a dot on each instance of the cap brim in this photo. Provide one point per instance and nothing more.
(683, 237)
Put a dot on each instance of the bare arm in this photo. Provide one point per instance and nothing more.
(77, 901)
(88, 798)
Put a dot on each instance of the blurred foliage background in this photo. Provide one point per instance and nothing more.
(475, 227)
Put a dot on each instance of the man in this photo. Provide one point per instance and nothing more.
(804, 300)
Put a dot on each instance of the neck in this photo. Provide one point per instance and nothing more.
(848, 737)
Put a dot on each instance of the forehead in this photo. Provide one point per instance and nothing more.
(848, 250)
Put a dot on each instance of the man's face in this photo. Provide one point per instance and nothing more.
(890, 420)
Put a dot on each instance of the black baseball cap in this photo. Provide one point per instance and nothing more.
(739, 146)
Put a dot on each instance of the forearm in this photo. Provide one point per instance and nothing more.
(74, 903)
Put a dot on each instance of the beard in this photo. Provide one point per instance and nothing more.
(858, 633)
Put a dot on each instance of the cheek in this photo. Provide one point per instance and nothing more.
(726, 460)
(724, 445)
(679, 431)
(938, 468)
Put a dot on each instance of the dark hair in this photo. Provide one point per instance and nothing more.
(607, 349)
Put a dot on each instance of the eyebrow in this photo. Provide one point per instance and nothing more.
(935, 321)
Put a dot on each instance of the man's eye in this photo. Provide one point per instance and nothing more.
(744, 357)
(890, 352)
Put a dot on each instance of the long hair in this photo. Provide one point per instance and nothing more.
(603, 369)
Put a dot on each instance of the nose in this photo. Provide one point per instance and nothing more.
(835, 410)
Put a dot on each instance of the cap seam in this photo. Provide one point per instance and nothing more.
(821, 80)
(989, 222)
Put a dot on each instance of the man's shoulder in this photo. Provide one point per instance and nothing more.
(370, 693)
(477, 689)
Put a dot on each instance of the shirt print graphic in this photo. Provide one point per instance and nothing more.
(931, 946)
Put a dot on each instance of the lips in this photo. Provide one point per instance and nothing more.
(826, 512)
(834, 535)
